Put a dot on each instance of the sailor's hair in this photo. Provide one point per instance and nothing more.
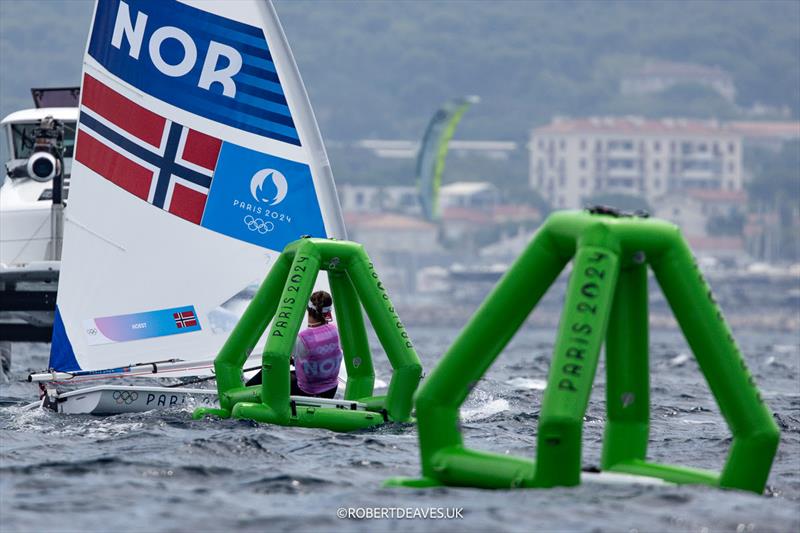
(320, 306)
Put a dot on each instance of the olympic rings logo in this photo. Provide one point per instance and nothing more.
(327, 348)
(126, 397)
(256, 224)
(91, 331)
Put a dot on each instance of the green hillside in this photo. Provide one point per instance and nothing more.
(380, 68)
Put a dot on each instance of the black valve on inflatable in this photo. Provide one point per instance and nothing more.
(616, 212)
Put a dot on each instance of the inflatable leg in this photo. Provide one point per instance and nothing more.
(353, 333)
(569, 383)
(391, 333)
(627, 370)
(755, 434)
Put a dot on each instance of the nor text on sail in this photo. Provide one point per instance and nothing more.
(220, 64)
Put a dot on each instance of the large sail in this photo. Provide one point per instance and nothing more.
(433, 151)
(197, 159)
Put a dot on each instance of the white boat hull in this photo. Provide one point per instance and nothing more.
(119, 399)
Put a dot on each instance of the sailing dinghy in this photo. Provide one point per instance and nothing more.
(197, 158)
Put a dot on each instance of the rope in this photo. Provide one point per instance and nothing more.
(202, 380)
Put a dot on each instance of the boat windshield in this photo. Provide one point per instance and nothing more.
(23, 139)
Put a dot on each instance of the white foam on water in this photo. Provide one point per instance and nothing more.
(527, 383)
(679, 360)
(785, 348)
(484, 410)
(23, 417)
(698, 422)
(41, 420)
(100, 429)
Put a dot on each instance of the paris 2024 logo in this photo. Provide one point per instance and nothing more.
(259, 218)
(262, 199)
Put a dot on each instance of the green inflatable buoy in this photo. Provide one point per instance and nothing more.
(283, 296)
(606, 302)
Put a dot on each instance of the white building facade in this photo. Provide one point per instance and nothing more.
(377, 199)
(572, 160)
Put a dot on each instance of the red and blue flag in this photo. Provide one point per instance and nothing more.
(156, 159)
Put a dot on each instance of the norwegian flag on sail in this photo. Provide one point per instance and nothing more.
(185, 319)
(158, 160)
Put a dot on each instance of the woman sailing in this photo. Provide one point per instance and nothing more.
(317, 353)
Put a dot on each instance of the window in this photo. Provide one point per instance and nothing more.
(693, 164)
(622, 182)
(657, 146)
(23, 140)
(657, 165)
(621, 163)
(657, 183)
(540, 144)
(583, 144)
(583, 183)
(562, 180)
(620, 145)
(731, 166)
(562, 144)
(359, 198)
(731, 148)
(583, 163)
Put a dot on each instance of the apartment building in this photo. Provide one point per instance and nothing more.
(377, 199)
(574, 159)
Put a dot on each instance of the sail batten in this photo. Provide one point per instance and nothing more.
(199, 158)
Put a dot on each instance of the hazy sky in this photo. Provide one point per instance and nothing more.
(41, 44)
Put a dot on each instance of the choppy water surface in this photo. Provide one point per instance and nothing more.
(163, 471)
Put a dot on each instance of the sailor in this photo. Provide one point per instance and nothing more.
(317, 353)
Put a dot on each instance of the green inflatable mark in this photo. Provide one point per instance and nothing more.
(282, 300)
(606, 302)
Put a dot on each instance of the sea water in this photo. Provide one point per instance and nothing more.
(162, 471)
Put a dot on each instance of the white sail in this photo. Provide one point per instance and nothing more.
(197, 159)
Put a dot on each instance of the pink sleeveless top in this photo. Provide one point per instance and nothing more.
(318, 368)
